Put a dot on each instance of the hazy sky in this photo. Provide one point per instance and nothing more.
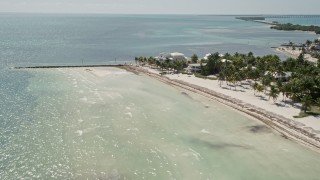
(163, 6)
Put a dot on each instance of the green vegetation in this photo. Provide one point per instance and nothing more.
(309, 47)
(167, 65)
(296, 79)
(251, 18)
(194, 58)
(296, 27)
(313, 111)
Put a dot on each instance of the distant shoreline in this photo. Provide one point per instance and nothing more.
(283, 26)
(294, 53)
(286, 127)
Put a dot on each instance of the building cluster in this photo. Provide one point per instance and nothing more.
(192, 67)
(175, 56)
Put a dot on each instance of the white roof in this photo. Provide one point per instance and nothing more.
(177, 54)
(197, 65)
(224, 60)
(206, 56)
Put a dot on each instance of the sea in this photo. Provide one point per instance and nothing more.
(106, 123)
(33, 39)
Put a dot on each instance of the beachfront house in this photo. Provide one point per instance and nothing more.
(225, 60)
(175, 56)
(280, 76)
(194, 68)
(209, 54)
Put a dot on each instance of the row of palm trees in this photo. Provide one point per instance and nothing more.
(296, 79)
(167, 64)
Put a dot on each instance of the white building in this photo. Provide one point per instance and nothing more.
(175, 56)
(206, 56)
(225, 60)
(209, 54)
(194, 68)
(283, 77)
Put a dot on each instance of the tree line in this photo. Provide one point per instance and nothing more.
(296, 27)
(167, 64)
(294, 78)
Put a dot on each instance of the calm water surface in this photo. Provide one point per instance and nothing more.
(64, 39)
(74, 124)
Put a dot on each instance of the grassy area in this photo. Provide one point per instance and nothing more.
(205, 77)
(314, 111)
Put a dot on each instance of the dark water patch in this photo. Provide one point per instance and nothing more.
(259, 129)
(216, 145)
(186, 94)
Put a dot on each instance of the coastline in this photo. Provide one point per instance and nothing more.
(287, 127)
(294, 53)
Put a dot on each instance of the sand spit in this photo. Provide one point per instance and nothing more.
(288, 51)
(287, 127)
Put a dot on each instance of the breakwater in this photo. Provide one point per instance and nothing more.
(67, 66)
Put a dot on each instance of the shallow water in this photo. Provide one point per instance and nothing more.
(77, 124)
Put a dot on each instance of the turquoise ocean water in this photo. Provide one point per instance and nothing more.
(62, 39)
(297, 19)
(110, 124)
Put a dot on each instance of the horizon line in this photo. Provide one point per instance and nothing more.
(205, 14)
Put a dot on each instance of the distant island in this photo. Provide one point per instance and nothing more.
(296, 27)
(251, 18)
(285, 27)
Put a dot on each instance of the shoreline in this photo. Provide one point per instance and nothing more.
(294, 53)
(288, 128)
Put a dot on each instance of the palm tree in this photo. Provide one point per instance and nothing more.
(158, 63)
(274, 92)
(194, 58)
(306, 102)
(266, 80)
(282, 88)
(255, 86)
(291, 43)
(260, 88)
(221, 77)
(136, 59)
(213, 64)
(318, 102)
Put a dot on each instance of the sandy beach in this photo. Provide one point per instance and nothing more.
(294, 53)
(276, 114)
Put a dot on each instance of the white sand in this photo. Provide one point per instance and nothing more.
(295, 53)
(246, 95)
